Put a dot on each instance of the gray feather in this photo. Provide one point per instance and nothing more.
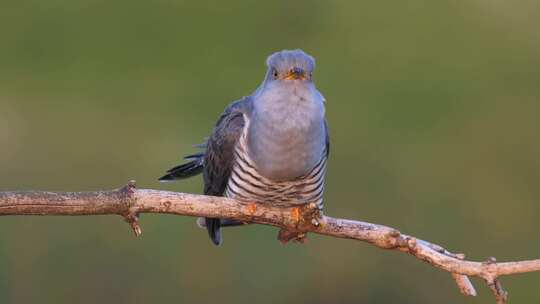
(270, 147)
(219, 156)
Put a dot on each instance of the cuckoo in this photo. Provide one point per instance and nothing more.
(270, 147)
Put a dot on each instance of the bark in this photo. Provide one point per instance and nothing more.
(295, 223)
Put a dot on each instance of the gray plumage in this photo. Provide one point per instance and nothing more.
(271, 146)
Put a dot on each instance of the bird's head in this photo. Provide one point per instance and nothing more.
(290, 66)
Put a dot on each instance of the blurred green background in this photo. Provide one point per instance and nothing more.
(433, 109)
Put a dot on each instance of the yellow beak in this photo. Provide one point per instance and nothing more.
(296, 74)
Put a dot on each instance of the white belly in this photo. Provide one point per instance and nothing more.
(247, 183)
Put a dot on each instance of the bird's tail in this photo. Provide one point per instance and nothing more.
(189, 169)
(215, 234)
(213, 226)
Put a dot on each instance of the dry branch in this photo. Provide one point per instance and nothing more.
(294, 222)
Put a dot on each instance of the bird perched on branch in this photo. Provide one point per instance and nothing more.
(270, 147)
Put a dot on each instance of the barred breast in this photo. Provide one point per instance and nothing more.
(246, 183)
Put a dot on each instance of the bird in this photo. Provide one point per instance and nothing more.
(270, 147)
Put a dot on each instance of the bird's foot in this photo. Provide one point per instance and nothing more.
(285, 236)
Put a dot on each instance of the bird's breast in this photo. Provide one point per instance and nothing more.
(285, 145)
(247, 182)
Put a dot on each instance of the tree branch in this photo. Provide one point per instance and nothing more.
(294, 222)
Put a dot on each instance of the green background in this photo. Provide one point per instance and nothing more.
(434, 119)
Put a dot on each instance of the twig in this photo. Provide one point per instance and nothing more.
(294, 222)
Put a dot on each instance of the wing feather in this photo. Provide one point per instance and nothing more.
(217, 160)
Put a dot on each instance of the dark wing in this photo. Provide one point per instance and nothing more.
(223, 139)
(327, 138)
(217, 160)
(219, 157)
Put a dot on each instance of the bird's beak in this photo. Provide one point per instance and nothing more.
(296, 74)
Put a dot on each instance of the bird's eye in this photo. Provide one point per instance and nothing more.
(275, 73)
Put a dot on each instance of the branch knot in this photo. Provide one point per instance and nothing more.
(131, 216)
